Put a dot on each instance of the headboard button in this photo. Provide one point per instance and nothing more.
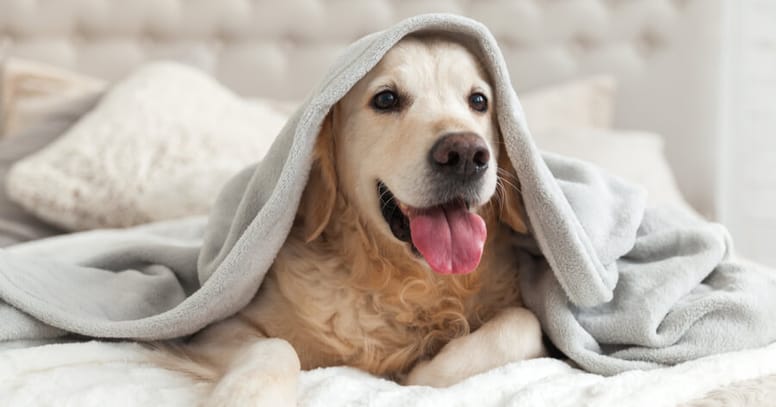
(583, 42)
(650, 42)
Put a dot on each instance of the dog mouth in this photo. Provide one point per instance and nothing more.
(448, 236)
(393, 214)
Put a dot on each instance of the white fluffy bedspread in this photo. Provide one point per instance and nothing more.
(118, 374)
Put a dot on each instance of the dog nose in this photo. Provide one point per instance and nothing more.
(462, 154)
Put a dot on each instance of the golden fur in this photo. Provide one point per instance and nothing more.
(343, 290)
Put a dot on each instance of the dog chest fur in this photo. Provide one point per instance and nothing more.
(369, 304)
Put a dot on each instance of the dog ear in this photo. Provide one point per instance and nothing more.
(510, 204)
(320, 194)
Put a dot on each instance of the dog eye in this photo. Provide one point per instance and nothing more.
(386, 100)
(478, 102)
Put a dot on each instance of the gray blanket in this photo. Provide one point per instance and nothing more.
(616, 286)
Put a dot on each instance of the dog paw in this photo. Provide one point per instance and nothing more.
(267, 376)
(426, 373)
(253, 389)
(514, 335)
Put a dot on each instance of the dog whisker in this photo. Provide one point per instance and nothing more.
(509, 183)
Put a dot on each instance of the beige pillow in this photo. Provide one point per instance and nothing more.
(583, 103)
(163, 142)
(634, 155)
(159, 145)
(28, 90)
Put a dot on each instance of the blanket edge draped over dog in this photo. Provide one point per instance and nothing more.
(616, 286)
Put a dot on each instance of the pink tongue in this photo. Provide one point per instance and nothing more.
(450, 238)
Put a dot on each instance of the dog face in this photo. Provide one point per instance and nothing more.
(421, 124)
(414, 146)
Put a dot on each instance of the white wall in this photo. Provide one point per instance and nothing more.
(747, 202)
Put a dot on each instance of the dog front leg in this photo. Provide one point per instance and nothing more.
(513, 335)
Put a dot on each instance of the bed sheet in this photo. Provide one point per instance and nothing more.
(120, 374)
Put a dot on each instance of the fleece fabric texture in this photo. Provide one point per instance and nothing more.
(617, 286)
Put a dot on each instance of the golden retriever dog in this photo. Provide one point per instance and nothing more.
(399, 261)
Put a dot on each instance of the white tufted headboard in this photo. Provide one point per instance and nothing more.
(666, 53)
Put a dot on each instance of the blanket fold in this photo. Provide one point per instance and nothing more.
(616, 285)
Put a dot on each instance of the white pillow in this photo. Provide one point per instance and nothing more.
(634, 155)
(162, 143)
(159, 145)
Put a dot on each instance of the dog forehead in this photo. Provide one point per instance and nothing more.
(431, 59)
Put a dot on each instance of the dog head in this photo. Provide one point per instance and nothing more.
(414, 147)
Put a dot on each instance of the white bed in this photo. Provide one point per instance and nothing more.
(664, 55)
